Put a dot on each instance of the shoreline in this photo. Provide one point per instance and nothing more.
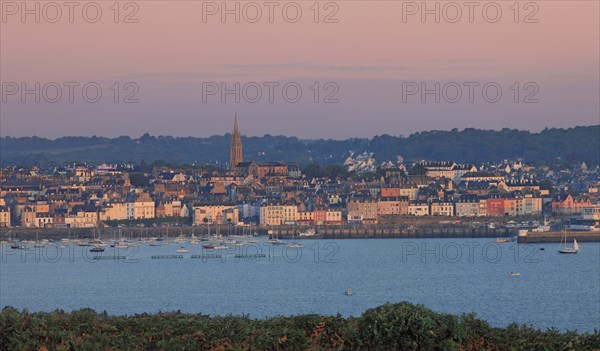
(292, 233)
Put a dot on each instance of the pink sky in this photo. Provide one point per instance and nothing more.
(368, 54)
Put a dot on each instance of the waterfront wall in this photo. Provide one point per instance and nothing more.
(110, 233)
(381, 232)
(556, 237)
(283, 232)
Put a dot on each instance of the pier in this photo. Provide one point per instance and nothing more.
(556, 237)
(387, 232)
(428, 229)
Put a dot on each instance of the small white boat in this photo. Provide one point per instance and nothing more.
(183, 249)
(180, 239)
(18, 246)
(276, 242)
(308, 233)
(348, 292)
(119, 246)
(193, 242)
(295, 245)
(568, 250)
(97, 243)
(515, 274)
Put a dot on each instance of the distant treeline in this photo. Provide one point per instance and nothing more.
(470, 145)
(389, 327)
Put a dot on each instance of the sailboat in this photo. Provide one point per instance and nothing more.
(568, 250)
(38, 244)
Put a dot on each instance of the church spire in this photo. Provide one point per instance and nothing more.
(235, 152)
(235, 127)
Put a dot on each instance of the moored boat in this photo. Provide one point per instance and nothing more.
(566, 249)
(309, 233)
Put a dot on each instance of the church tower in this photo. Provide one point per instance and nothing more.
(235, 152)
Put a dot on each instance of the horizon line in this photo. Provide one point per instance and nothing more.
(299, 138)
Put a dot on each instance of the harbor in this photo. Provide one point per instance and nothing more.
(439, 273)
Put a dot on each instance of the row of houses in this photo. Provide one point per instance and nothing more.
(274, 193)
(88, 214)
(368, 210)
(335, 210)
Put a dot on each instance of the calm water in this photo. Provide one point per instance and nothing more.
(446, 275)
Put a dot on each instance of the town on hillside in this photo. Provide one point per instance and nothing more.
(271, 194)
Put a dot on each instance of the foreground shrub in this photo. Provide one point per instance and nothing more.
(400, 326)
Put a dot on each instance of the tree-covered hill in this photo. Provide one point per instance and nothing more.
(470, 145)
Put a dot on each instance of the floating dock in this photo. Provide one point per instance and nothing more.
(166, 257)
(251, 256)
(207, 256)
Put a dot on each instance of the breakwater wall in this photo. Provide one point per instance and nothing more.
(556, 237)
(382, 232)
(282, 232)
(116, 233)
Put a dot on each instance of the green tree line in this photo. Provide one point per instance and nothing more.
(469, 145)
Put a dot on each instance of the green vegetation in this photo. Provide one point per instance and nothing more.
(400, 326)
(139, 180)
(469, 145)
(331, 171)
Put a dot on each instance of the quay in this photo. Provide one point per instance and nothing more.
(556, 237)
(411, 228)
(387, 232)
